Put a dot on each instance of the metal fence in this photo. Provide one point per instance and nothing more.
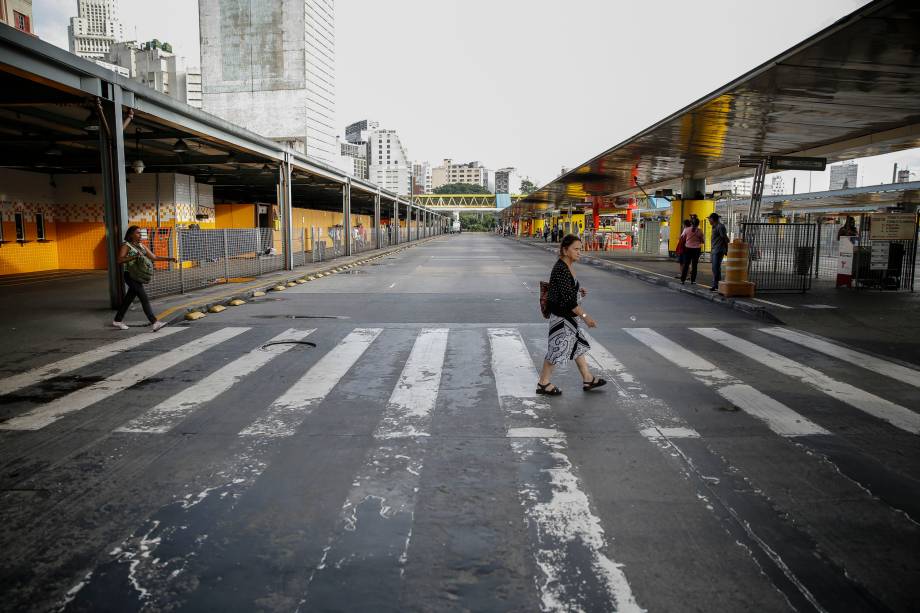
(782, 255)
(884, 264)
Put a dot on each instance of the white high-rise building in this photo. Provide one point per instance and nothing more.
(421, 178)
(154, 65)
(777, 185)
(269, 66)
(95, 29)
(388, 163)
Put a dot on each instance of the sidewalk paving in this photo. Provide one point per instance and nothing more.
(883, 322)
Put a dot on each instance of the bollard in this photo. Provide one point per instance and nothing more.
(735, 265)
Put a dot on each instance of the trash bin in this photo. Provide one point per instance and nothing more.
(804, 256)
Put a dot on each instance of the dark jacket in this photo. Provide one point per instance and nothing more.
(719, 239)
(562, 296)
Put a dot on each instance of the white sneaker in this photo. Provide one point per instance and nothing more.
(120, 325)
(157, 325)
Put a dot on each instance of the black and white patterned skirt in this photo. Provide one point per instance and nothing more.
(566, 340)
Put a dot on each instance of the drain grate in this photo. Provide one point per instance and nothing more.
(273, 343)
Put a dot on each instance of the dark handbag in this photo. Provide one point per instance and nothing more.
(544, 299)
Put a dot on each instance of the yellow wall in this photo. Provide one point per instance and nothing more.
(31, 256)
(235, 216)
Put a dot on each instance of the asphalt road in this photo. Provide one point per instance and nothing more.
(404, 463)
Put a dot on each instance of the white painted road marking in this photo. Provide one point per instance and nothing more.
(570, 545)
(287, 412)
(894, 414)
(864, 360)
(385, 488)
(48, 371)
(776, 304)
(49, 413)
(169, 413)
(409, 410)
(778, 417)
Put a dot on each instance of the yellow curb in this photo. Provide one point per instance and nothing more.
(310, 278)
(300, 281)
(258, 294)
(217, 308)
(194, 315)
(236, 302)
(278, 288)
(291, 284)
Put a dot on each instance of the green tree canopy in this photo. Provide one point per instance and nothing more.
(527, 186)
(461, 188)
(471, 222)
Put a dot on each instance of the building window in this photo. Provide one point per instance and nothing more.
(40, 226)
(21, 22)
(20, 227)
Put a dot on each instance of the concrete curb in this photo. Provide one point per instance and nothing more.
(752, 310)
(178, 314)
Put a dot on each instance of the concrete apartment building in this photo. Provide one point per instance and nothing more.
(153, 64)
(421, 178)
(507, 181)
(388, 163)
(95, 29)
(472, 172)
(17, 14)
(843, 176)
(356, 153)
(269, 66)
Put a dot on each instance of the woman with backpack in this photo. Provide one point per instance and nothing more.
(679, 250)
(693, 246)
(138, 263)
(566, 340)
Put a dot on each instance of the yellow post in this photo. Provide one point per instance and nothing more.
(735, 265)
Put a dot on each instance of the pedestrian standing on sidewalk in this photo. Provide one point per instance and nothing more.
(681, 248)
(693, 245)
(545, 233)
(719, 249)
(566, 339)
(138, 270)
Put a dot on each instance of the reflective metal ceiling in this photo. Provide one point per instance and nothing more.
(851, 90)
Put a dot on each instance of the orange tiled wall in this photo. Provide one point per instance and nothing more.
(81, 246)
(32, 256)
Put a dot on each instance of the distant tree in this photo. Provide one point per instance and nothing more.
(461, 188)
(477, 222)
(527, 186)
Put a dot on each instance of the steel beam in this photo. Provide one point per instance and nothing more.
(115, 195)
(346, 215)
(285, 202)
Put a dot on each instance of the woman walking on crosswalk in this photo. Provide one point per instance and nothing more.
(566, 340)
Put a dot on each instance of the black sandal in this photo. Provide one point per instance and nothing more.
(593, 383)
(541, 389)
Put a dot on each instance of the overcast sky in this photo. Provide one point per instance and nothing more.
(535, 84)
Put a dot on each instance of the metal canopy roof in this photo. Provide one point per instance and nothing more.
(850, 90)
(47, 96)
(872, 196)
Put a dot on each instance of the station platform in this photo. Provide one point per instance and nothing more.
(884, 322)
(67, 311)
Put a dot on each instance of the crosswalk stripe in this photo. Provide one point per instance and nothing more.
(42, 373)
(659, 421)
(778, 417)
(864, 360)
(287, 412)
(894, 414)
(409, 410)
(49, 413)
(385, 488)
(568, 535)
(166, 415)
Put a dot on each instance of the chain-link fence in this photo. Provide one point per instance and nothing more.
(209, 257)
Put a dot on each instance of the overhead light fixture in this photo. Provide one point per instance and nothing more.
(266, 169)
(211, 179)
(92, 122)
(53, 150)
(138, 164)
(180, 147)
